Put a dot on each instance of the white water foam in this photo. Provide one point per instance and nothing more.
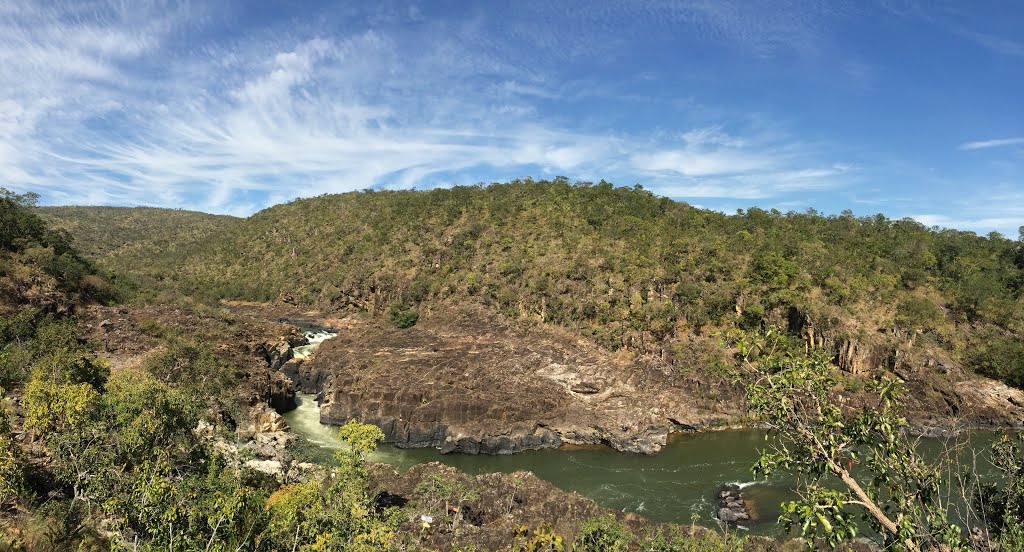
(314, 339)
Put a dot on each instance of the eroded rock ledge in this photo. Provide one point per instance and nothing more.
(480, 386)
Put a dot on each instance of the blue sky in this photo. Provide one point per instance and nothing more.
(895, 106)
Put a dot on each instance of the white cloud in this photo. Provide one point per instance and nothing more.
(993, 42)
(696, 164)
(998, 143)
(759, 185)
(1000, 209)
(980, 224)
(118, 114)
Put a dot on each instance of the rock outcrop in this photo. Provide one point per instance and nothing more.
(502, 504)
(277, 354)
(266, 420)
(732, 505)
(479, 386)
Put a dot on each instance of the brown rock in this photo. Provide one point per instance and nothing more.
(472, 384)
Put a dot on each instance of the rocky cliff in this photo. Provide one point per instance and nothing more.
(474, 384)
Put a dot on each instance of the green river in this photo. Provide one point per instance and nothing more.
(677, 485)
(674, 485)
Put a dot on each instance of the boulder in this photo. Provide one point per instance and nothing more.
(270, 467)
(270, 445)
(732, 508)
(728, 515)
(282, 392)
(266, 420)
(277, 354)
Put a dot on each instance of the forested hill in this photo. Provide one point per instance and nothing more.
(122, 234)
(620, 266)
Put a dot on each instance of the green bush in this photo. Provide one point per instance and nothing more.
(918, 313)
(703, 541)
(603, 534)
(774, 270)
(11, 474)
(402, 317)
(753, 317)
(1000, 358)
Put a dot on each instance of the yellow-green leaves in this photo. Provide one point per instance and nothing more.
(363, 438)
(52, 406)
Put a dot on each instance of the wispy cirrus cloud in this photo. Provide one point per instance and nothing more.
(996, 43)
(997, 143)
(1002, 209)
(972, 22)
(982, 224)
(120, 113)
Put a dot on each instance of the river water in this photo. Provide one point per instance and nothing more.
(677, 485)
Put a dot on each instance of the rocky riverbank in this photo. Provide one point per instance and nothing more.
(466, 382)
(475, 385)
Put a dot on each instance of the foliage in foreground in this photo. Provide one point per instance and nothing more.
(137, 471)
(125, 471)
(607, 534)
(861, 461)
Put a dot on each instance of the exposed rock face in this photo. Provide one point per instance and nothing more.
(943, 397)
(265, 420)
(282, 392)
(271, 444)
(277, 354)
(502, 503)
(993, 403)
(475, 385)
(307, 377)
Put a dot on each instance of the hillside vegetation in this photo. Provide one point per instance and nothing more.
(40, 269)
(621, 266)
(134, 240)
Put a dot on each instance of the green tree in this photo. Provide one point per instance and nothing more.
(1002, 503)
(337, 513)
(1001, 358)
(52, 406)
(17, 223)
(402, 317)
(815, 437)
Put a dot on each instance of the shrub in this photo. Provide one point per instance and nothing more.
(603, 534)
(402, 317)
(917, 313)
(753, 317)
(11, 475)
